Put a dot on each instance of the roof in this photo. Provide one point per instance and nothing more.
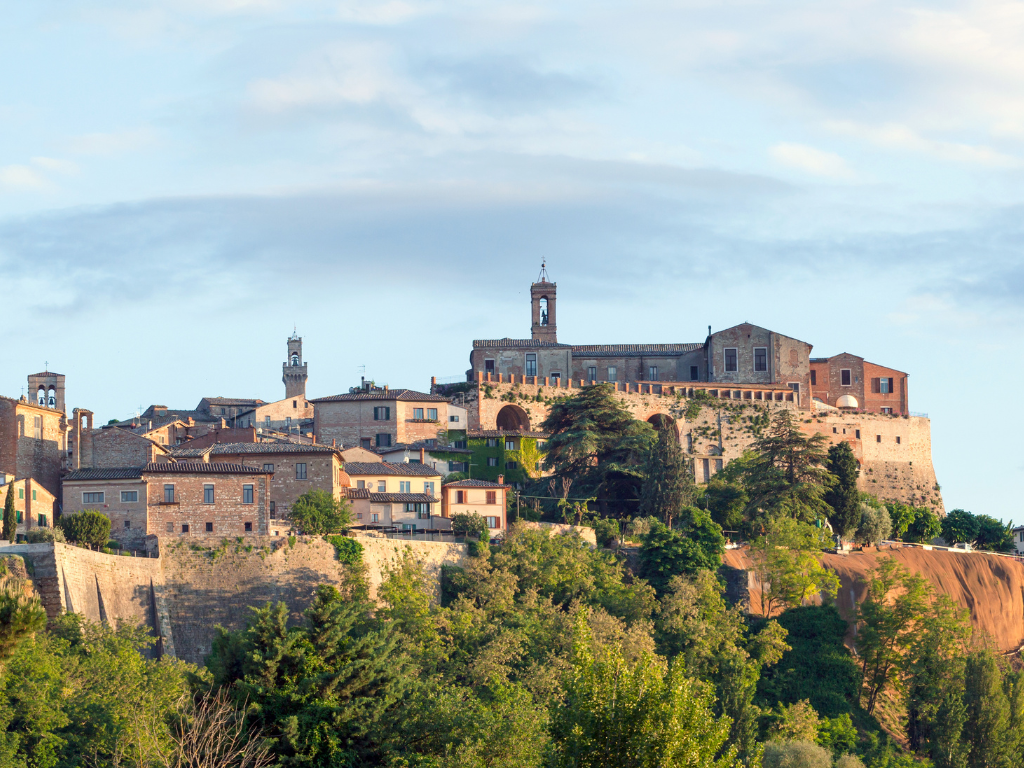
(111, 473)
(189, 453)
(222, 448)
(387, 468)
(762, 328)
(475, 484)
(506, 342)
(415, 447)
(47, 373)
(389, 394)
(390, 498)
(202, 468)
(232, 401)
(633, 350)
(506, 433)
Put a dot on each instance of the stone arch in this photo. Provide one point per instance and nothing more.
(512, 417)
(659, 420)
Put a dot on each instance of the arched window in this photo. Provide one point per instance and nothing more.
(42, 396)
(295, 358)
(544, 310)
(51, 399)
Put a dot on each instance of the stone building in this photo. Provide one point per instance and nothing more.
(293, 414)
(404, 496)
(33, 441)
(294, 372)
(34, 506)
(174, 499)
(849, 381)
(483, 497)
(379, 418)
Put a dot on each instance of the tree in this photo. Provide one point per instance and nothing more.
(787, 567)
(597, 443)
(901, 516)
(993, 535)
(926, 526)
(874, 525)
(87, 528)
(668, 481)
(842, 496)
(616, 714)
(796, 754)
(10, 516)
(986, 729)
(317, 512)
(470, 524)
(786, 475)
(665, 553)
(20, 616)
(959, 527)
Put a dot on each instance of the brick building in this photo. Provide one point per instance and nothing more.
(849, 381)
(401, 495)
(379, 418)
(33, 442)
(34, 506)
(186, 498)
(485, 498)
(293, 414)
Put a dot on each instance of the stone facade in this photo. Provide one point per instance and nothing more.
(110, 447)
(292, 414)
(294, 372)
(379, 419)
(403, 496)
(33, 442)
(875, 388)
(35, 506)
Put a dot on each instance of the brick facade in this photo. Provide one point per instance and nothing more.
(874, 387)
(33, 442)
(35, 506)
(379, 419)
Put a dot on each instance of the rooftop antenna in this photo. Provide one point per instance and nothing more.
(543, 278)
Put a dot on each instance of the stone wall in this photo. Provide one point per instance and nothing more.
(23, 453)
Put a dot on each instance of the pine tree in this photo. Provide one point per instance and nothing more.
(10, 516)
(668, 482)
(843, 496)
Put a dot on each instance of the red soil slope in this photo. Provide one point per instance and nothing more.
(991, 587)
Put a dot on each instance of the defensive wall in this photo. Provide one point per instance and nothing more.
(197, 585)
(716, 423)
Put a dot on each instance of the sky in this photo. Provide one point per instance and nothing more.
(184, 182)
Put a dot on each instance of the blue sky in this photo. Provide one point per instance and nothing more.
(181, 182)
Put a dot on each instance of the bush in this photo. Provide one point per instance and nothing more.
(87, 528)
(795, 754)
(849, 761)
(349, 551)
(318, 512)
(875, 525)
(606, 529)
(45, 536)
(470, 524)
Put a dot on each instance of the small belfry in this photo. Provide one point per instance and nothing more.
(46, 389)
(294, 373)
(542, 301)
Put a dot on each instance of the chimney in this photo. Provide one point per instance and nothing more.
(314, 439)
(423, 455)
(334, 442)
(501, 479)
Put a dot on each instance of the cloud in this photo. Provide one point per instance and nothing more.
(896, 136)
(22, 177)
(812, 160)
(66, 167)
(113, 143)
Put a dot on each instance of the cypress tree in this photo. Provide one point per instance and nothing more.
(668, 484)
(10, 516)
(842, 496)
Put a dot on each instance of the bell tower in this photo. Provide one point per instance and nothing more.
(294, 370)
(542, 301)
(47, 389)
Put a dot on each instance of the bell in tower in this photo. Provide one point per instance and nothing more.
(542, 300)
(294, 370)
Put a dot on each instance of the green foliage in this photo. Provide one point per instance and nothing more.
(925, 527)
(10, 516)
(616, 713)
(875, 525)
(20, 617)
(787, 566)
(842, 496)
(796, 754)
(347, 550)
(959, 526)
(668, 481)
(470, 524)
(46, 536)
(993, 535)
(87, 528)
(606, 531)
(697, 545)
(317, 512)
(725, 497)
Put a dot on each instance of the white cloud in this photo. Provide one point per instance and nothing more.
(897, 136)
(112, 143)
(811, 160)
(22, 177)
(54, 164)
(388, 12)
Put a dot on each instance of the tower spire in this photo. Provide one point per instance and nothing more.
(543, 277)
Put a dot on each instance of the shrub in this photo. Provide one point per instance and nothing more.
(349, 551)
(606, 530)
(317, 512)
(875, 525)
(470, 524)
(795, 754)
(87, 528)
(45, 536)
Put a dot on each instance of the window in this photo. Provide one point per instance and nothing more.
(18, 517)
(453, 419)
(835, 431)
(613, 373)
(897, 439)
(460, 497)
(209, 527)
(694, 373)
(592, 373)
(760, 358)
(814, 377)
(556, 375)
(170, 527)
(43, 521)
(248, 527)
(417, 413)
(492, 461)
(208, 494)
(456, 466)
(381, 486)
(652, 373)
(844, 377)
(510, 445)
(295, 403)
(38, 424)
(493, 522)
(422, 510)
(374, 518)
(95, 497)
(492, 497)
(858, 434)
(288, 422)
(168, 494)
(404, 486)
(266, 421)
(383, 440)
(883, 386)
(127, 523)
(887, 410)
(247, 494)
(531, 365)
(382, 413)
(432, 414)
(268, 467)
(459, 444)
(731, 364)
(360, 483)
(364, 442)
(878, 438)
(34, 495)
(300, 471)
(21, 493)
(492, 442)
(795, 386)
(428, 488)
(127, 496)
(488, 366)
(184, 527)
(273, 510)
(510, 465)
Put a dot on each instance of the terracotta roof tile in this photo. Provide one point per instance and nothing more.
(475, 484)
(493, 343)
(633, 350)
(390, 394)
(202, 468)
(387, 468)
(111, 473)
